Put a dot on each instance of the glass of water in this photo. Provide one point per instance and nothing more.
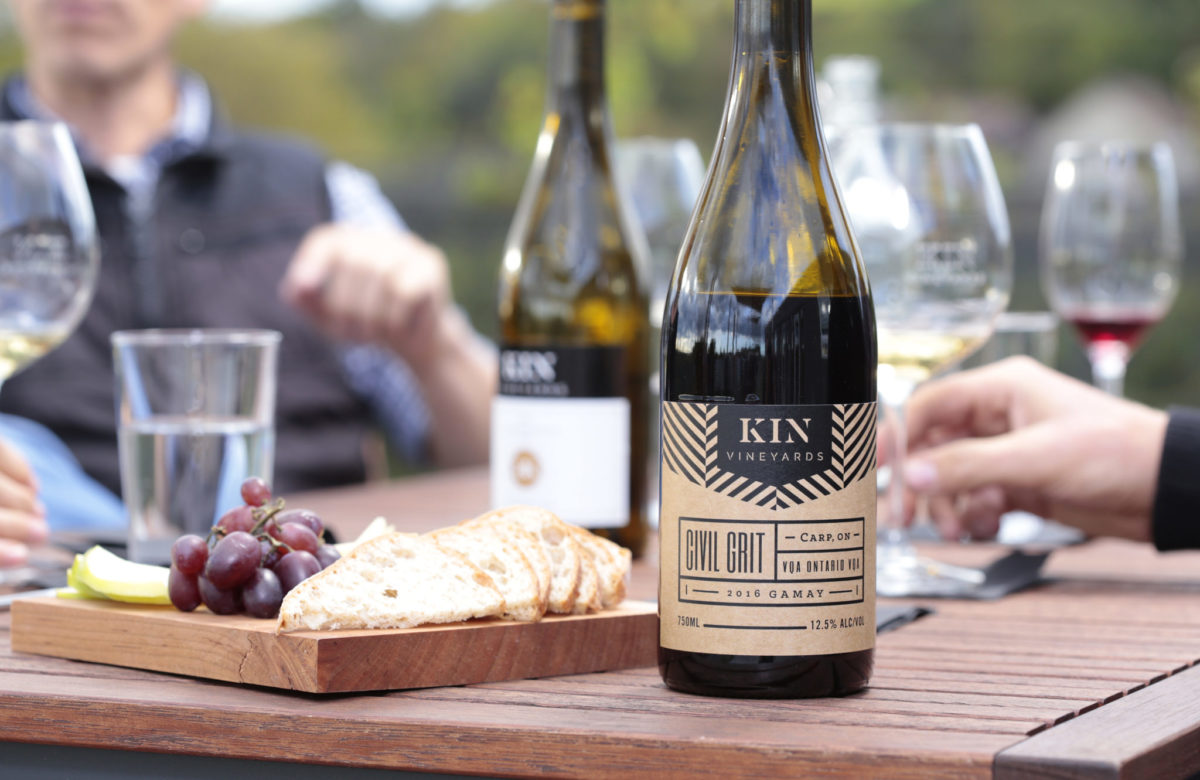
(195, 418)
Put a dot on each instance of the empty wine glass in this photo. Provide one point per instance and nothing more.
(930, 221)
(49, 256)
(1111, 246)
(662, 178)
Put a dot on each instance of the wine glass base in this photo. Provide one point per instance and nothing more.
(901, 572)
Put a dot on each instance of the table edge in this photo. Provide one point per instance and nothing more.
(1098, 743)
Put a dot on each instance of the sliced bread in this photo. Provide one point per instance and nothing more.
(559, 545)
(393, 581)
(530, 545)
(613, 565)
(587, 594)
(504, 561)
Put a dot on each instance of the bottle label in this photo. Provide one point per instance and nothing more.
(767, 529)
(561, 433)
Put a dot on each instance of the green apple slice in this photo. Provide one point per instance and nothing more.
(78, 585)
(113, 577)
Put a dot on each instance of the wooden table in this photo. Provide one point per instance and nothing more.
(1090, 675)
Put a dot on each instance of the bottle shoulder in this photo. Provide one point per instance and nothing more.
(571, 223)
(573, 265)
(770, 219)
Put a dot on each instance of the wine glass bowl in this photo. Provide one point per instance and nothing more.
(49, 257)
(662, 178)
(1111, 246)
(929, 218)
(930, 221)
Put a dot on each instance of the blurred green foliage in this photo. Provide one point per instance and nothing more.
(445, 107)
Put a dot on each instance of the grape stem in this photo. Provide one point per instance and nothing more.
(262, 515)
(265, 514)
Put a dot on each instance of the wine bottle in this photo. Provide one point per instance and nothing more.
(569, 422)
(767, 524)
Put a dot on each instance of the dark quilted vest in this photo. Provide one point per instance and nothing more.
(226, 223)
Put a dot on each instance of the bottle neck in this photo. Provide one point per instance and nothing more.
(773, 40)
(576, 69)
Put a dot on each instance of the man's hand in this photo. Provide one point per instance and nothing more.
(22, 518)
(1018, 435)
(383, 286)
(391, 288)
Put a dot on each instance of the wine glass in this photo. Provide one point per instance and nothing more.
(49, 256)
(1111, 246)
(662, 178)
(930, 221)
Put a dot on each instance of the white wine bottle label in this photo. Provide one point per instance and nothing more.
(767, 528)
(561, 433)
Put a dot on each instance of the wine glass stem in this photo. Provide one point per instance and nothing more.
(893, 395)
(893, 529)
(1108, 366)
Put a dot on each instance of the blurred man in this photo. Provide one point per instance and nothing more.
(204, 225)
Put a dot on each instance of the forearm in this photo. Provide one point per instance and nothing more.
(458, 380)
(1176, 521)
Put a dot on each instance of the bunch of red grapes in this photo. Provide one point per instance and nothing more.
(252, 557)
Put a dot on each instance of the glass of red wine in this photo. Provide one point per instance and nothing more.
(1111, 246)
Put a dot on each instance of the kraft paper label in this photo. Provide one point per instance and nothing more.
(767, 529)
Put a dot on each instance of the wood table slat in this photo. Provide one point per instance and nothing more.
(952, 682)
(1114, 652)
(407, 731)
(853, 710)
(1003, 662)
(1111, 742)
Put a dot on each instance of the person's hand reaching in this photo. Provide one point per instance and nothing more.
(1018, 435)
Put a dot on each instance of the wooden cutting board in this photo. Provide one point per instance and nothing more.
(237, 648)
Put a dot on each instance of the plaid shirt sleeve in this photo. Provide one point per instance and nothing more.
(380, 378)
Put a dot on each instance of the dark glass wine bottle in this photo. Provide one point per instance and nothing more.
(569, 424)
(767, 518)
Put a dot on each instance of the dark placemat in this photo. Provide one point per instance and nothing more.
(890, 618)
(1011, 573)
(1015, 571)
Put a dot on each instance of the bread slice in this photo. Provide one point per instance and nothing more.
(503, 561)
(393, 581)
(613, 566)
(528, 543)
(587, 594)
(559, 545)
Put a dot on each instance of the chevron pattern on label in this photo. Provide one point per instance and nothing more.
(690, 449)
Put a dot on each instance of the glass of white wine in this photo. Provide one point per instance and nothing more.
(49, 256)
(930, 220)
